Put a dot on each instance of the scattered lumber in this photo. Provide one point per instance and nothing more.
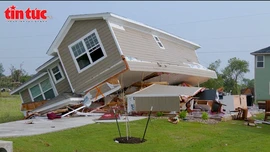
(146, 84)
(60, 111)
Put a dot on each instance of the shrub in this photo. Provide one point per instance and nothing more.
(204, 115)
(159, 114)
(183, 114)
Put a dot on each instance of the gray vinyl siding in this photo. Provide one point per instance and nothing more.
(62, 86)
(91, 76)
(26, 96)
(158, 103)
(142, 45)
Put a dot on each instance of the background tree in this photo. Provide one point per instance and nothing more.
(2, 70)
(233, 74)
(18, 76)
(247, 83)
(214, 83)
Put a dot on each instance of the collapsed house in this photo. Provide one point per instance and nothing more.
(96, 55)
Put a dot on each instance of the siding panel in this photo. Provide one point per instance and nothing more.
(133, 42)
(158, 103)
(62, 86)
(88, 78)
(26, 96)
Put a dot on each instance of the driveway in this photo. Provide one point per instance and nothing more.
(43, 125)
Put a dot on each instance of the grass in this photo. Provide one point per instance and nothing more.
(161, 136)
(10, 108)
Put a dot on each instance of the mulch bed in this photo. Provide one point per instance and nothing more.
(130, 140)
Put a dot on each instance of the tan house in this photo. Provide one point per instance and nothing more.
(90, 49)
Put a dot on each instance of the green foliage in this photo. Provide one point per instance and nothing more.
(229, 77)
(247, 83)
(17, 77)
(214, 83)
(233, 73)
(183, 114)
(2, 70)
(160, 113)
(204, 115)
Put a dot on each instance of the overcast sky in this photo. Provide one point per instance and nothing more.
(222, 29)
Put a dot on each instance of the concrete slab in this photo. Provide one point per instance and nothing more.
(41, 125)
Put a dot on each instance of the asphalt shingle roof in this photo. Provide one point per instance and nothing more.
(262, 51)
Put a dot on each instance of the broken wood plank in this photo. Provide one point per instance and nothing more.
(146, 84)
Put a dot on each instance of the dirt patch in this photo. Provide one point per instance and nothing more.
(129, 140)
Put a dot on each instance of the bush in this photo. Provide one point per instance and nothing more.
(159, 114)
(183, 114)
(204, 115)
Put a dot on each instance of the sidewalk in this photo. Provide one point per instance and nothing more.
(42, 125)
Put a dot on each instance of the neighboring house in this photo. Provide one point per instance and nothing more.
(262, 74)
(92, 48)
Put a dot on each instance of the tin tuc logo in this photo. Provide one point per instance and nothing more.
(29, 15)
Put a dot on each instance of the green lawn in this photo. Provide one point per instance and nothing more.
(161, 136)
(10, 108)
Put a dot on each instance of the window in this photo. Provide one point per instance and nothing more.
(42, 91)
(158, 42)
(259, 61)
(57, 74)
(87, 51)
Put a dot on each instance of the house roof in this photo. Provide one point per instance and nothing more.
(33, 78)
(157, 90)
(109, 17)
(47, 63)
(262, 51)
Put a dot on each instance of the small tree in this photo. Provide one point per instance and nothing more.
(233, 74)
(18, 76)
(214, 83)
(2, 70)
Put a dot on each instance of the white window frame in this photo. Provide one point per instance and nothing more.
(260, 61)
(60, 71)
(42, 93)
(87, 52)
(158, 41)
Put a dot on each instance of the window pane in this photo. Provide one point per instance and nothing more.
(45, 85)
(35, 91)
(91, 41)
(49, 94)
(39, 98)
(259, 64)
(58, 76)
(83, 61)
(97, 54)
(156, 38)
(259, 58)
(78, 49)
(160, 44)
(55, 69)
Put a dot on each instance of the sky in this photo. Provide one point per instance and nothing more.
(223, 29)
